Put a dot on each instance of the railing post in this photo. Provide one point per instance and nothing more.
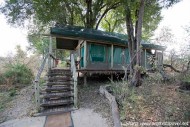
(75, 93)
(50, 52)
(37, 95)
(73, 70)
(145, 59)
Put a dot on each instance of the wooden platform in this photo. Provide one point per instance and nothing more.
(59, 120)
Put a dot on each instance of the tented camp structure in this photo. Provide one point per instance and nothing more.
(96, 52)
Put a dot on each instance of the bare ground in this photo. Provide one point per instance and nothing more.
(90, 102)
(21, 105)
(90, 98)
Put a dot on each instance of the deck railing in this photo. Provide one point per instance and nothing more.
(74, 74)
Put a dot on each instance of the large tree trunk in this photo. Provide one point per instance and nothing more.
(134, 41)
(89, 14)
(130, 30)
(138, 41)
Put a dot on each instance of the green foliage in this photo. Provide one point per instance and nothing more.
(12, 92)
(2, 79)
(18, 73)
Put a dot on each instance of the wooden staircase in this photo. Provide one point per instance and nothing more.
(58, 94)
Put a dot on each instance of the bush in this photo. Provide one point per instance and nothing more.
(2, 79)
(12, 92)
(18, 74)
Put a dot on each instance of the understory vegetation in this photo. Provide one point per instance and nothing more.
(154, 101)
(16, 72)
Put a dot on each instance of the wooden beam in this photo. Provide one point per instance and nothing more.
(50, 52)
(112, 56)
(85, 54)
(145, 59)
(162, 58)
(85, 80)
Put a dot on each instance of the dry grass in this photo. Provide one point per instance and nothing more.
(156, 101)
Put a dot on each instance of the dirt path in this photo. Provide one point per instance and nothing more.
(89, 98)
(94, 110)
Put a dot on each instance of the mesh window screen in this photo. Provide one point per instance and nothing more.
(97, 53)
(117, 55)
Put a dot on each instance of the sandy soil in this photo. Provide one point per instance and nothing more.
(88, 118)
(94, 110)
(21, 106)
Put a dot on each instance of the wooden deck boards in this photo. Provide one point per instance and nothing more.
(59, 120)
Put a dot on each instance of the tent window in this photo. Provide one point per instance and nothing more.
(97, 53)
(117, 52)
(82, 57)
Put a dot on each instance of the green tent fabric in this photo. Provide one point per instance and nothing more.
(117, 55)
(97, 53)
(82, 57)
(77, 32)
(127, 58)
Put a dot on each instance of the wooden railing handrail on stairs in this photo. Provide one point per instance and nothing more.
(36, 82)
(74, 74)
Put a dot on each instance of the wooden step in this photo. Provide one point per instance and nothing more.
(51, 103)
(60, 79)
(59, 74)
(53, 111)
(60, 71)
(57, 95)
(58, 88)
(59, 83)
(56, 69)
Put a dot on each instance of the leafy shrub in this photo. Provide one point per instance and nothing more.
(12, 92)
(2, 79)
(18, 73)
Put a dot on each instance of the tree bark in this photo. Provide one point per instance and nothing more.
(89, 14)
(137, 74)
(130, 30)
(135, 40)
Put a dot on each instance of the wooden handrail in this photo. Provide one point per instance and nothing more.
(36, 82)
(52, 56)
(74, 73)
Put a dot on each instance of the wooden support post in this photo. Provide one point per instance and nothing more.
(111, 76)
(85, 54)
(162, 58)
(145, 59)
(75, 93)
(50, 52)
(85, 80)
(37, 95)
(156, 59)
(112, 56)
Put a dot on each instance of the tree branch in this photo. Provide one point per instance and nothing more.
(170, 66)
(115, 5)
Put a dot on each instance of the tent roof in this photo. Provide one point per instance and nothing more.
(97, 35)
